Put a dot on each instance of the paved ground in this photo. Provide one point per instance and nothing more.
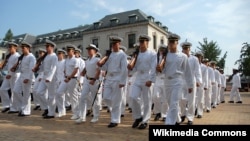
(34, 128)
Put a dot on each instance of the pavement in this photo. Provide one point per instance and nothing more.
(35, 128)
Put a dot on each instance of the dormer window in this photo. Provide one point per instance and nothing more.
(52, 37)
(97, 25)
(74, 33)
(165, 28)
(158, 23)
(66, 35)
(132, 18)
(150, 18)
(20, 39)
(114, 21)
(59, 36)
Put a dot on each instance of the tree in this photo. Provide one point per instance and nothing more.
(244, 60)
(211, 50)
(8, 35)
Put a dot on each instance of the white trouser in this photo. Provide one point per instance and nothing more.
(42, 98)
(128, 97)
(50, 88)
(200, 100)
(23, 91)
(235, 92)
(89, 91)
(214, 94)
(112, 96)
(218, 95)
(172, 96)
(124, 100)
(60, 101)
(71, 88)
(222, 94)
(67, 99)
(7, 84)
(36, 97)
(160, 105)
(207, 98)
(141, 95)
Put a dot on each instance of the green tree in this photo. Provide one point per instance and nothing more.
(8, 35)
(244, 60)
(212, 51)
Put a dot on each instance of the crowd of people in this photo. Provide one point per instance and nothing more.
(173, 85)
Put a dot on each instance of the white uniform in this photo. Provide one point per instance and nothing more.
(89, 90)
(26, 72)
(223, 86)
(36, 98)
(49, 69)
(176, 71)
(60, 99)
(116, 67)
(236, 84)
(201, 90)
(71, 86)
(7, 84)
(145, 68)
(208, 92)
(188, 102)
(216, 88)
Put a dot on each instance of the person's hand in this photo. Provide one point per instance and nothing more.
(66, 80)
(25, 81)
(92, 82)
(8, 76)
(47, 81)
(190, 90)
(121, 85)
(148, 83)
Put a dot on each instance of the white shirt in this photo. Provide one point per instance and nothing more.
(223, 80)
(49, 66)
(116, 67)
(217, 76)
(71, 64)
(195, 68)
(26, 66)
(60, 70)
(11, 62)
(177, 66)
(204, 74)
(145, 66)
(236, 81)
(91, 66)
(211, 77)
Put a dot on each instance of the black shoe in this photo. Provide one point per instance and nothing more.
(213, 106)
(157, 116)
(45, 112)
(222, 102)
(36, 108)
(208, 111)
(12, 112)
(122, 115)
(22, 115)
(143, 126)
(68, 108)
(5, 110)
(88, 112)
(48, 117)
(163, 119)
(195, 113)
(105, 107)
(177, 123)
(199, 116)
(183, 118)
(239, 102)
(108, 111)
(56, 110)
(137, 122)
(112, 125)
(230, 101)
(190, 123)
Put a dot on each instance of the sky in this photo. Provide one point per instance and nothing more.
(225, 21)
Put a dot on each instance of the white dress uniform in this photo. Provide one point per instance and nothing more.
(71, 86)
(236, 84)
(223, 86)
(7, 84)
(145, 69)
(116, 67)
(49, 69)
(188, 103)
(60, 99)
(176, 71)
(208, 92)
(89, 90)
(36, 98)
(216, 88)
(25, 68)
(201, 90)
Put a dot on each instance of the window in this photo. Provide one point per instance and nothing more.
(132, 18)
(162, 41)
(154, 41)
(131, 40)
(97, 25)
(150, 18)
(114, 21)
(95, 42)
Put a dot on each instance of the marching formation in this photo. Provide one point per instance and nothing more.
(173, 85)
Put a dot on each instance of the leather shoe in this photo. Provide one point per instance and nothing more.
(48, 117)
(88, 112)
(199, 116)
(122, 115)
(12, 112)
(190, 123)
(36, 108)
(239, 102)
(22, 115)
(230, 101)
(112, 125)
(143, 126)
(5, 110)
(183, 118)
(45, 112)
(208, 111)
(222, 102)
(157, 116)
(137, 122)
